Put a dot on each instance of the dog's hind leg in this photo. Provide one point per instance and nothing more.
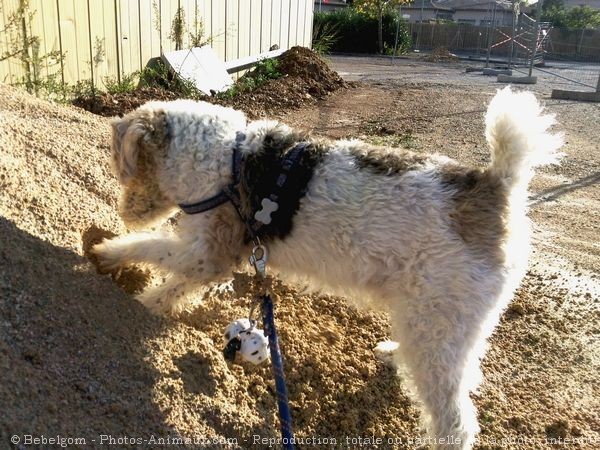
(435, 348)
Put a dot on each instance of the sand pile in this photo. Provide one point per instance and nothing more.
(306, 77)
(80, 358)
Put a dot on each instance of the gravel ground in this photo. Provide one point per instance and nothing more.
(80, 358)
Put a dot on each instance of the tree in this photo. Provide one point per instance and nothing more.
(583, 17)
(377, 8)
(555, 12)
(17, 41)
(552, 4)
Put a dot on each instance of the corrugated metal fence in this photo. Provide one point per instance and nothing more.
(112, 38)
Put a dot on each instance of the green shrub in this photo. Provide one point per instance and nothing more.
(265, 70)
(128, 83)
(325, 35)
(82, 88)
(156, 74)
(357, 32)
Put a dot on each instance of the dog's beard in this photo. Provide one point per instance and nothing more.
(143, 205)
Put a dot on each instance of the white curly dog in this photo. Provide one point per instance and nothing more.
(440, 247)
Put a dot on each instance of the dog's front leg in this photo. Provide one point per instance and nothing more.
(186, 263)
(136, 248)
(196, 265)
(192, 258)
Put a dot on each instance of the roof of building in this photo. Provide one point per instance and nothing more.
(460, 5)
(340, 3)
(475, 4)
(426, 4)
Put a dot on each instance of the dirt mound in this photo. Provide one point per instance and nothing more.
(81, 358)
(109, 105)
(441, 54)
(304, 63)
(306, 78)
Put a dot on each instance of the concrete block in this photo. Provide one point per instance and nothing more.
(576, 95)
(516, 79)
(202, 66)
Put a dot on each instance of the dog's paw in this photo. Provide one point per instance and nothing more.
(384, 352)
(108, 257)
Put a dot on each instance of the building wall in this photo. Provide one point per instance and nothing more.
(502, 18)
(416, 15)
(472, 16)
(113, 38)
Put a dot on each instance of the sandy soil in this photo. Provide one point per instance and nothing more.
(79, 358)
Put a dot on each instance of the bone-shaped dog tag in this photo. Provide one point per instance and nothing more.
(268, 207)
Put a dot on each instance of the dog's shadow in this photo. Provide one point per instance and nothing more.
(74, 346)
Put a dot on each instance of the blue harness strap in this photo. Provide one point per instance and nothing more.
(205, 205)
(285, 417)
(225, 195)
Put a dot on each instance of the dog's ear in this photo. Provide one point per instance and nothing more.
(127, 134)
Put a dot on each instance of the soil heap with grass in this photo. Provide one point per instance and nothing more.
(301, 77)
(305, 78)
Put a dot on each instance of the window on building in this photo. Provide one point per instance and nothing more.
(444, 15)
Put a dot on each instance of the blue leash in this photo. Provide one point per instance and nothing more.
(285, 417)
(258, 259)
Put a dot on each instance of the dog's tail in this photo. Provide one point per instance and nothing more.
(517, 133)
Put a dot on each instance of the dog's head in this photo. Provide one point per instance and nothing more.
(167, 153)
